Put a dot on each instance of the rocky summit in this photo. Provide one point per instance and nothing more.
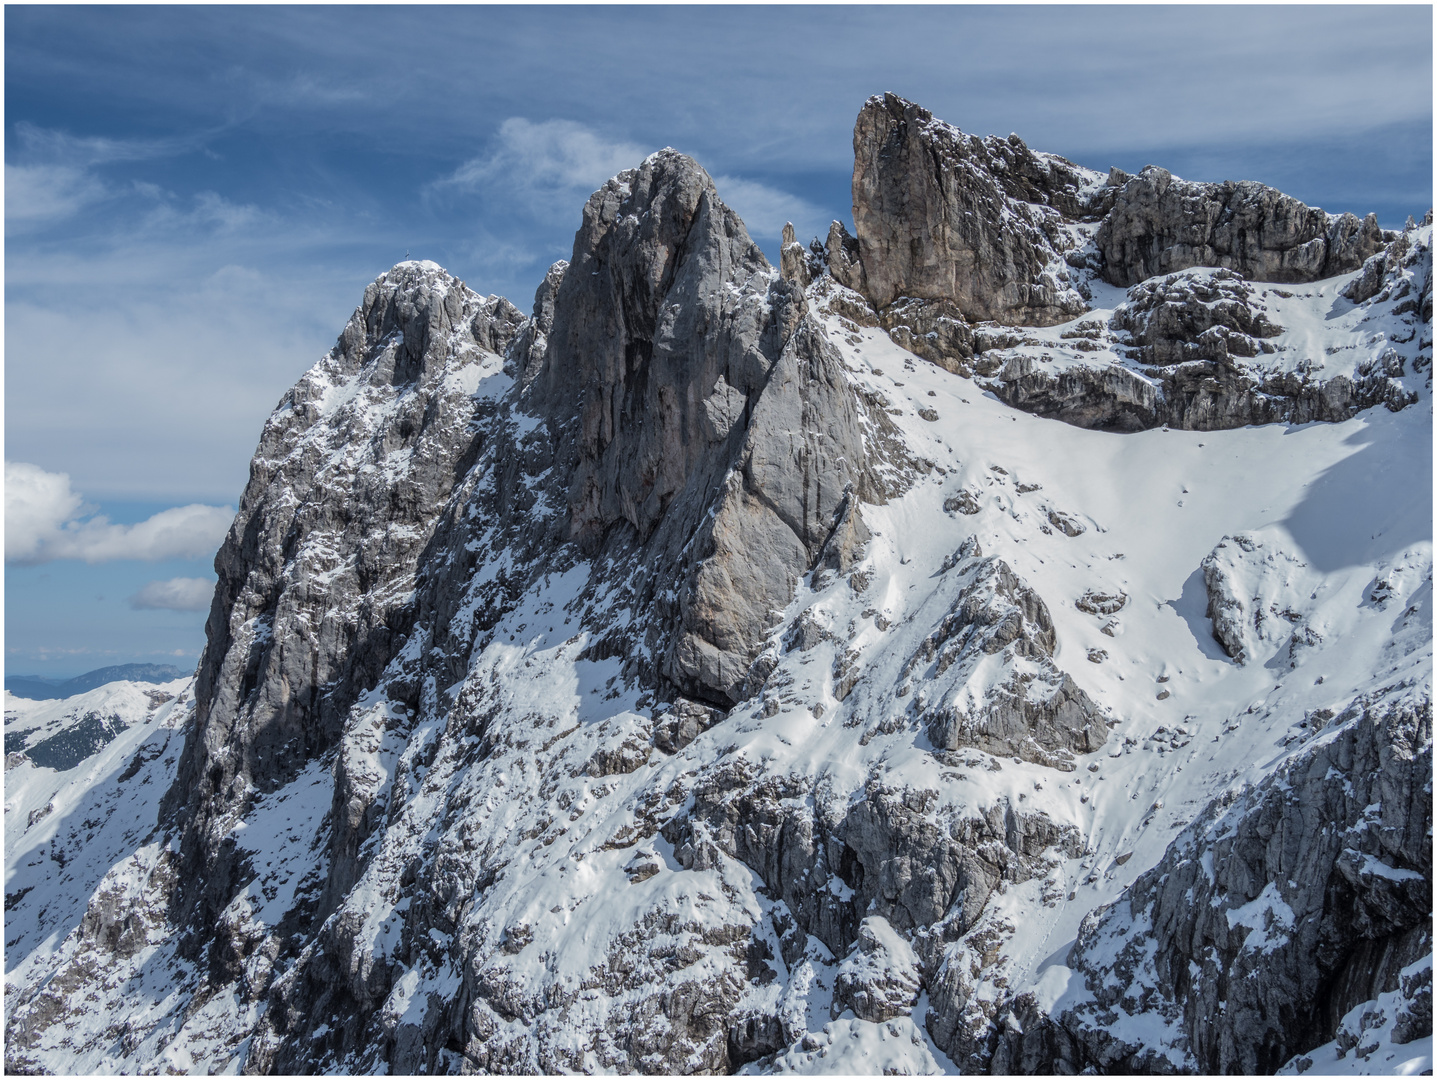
(997, 639)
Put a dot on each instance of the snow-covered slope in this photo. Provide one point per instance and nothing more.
(1050, 731)
(83, 781)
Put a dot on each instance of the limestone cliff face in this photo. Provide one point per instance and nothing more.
(315, 576)
(704, 417)
(955, 232)
(941, 215)
(1160, 224)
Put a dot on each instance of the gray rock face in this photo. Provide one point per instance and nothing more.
(1233, 576)
(941, 215)
(631, 330)
(1188, 317)
(953, 230)
(794, 258)
(691, 370)
(1383, 279)
(932, 329)
(691, 421)
(532, 340)
(312, 600)
(881, 977)
(1201, 395)
(1260, 929)
(1160, 225)
(1205, 339)
(843, 259)
(1035, 712)
(888, 854)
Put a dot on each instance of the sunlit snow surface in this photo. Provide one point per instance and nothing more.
(1344, 510)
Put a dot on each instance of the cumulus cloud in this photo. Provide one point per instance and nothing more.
(175, 594)
(544, 161)
(46, 520)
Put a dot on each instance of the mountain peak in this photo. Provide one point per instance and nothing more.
(734, 668)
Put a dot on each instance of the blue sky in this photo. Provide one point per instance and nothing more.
(196, 197)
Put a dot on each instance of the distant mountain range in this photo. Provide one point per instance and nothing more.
(39, 688)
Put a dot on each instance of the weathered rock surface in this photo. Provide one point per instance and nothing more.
(1199, 353)
(881, 977)
(796, 261)
(689, 366)
(843, 259)
(1377, 1033)
(314, 593)
(1188, 317)
(1026, 708)
(1269, 919)
(532, 341)
(941, 215)
(954, 230)
(1159, 224)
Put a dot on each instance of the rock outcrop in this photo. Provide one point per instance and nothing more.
(1269, 919)
(1025, 707)
(314, 594)
(532, 341)
(1159, 224)
(941, 215)
(1257, 594)
(881, 977)
(953, 231)
(1187, 317)
(688, 364)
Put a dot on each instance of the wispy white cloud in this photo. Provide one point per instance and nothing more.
(45, 520)
(38, 194)
(207, 212)
(55, 176)
(537, 163)
(52, 146)
(765, 210)
(175, 594)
